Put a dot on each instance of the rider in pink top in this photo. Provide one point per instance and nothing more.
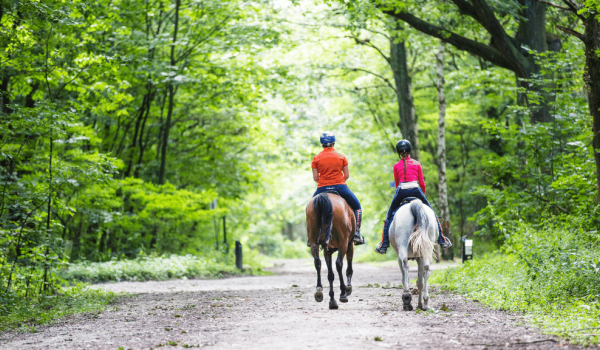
(409, 183)
(413, 172)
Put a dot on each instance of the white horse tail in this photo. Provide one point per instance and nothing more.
(419, 239)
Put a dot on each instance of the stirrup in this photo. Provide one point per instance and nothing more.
(379, 249)
(446, 244)
(358, 239)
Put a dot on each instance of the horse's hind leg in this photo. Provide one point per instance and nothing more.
(319, 292)
(406, 296)
(426, 273)
(349, 256)
(339, 264)
(420, 284)
(330, 277)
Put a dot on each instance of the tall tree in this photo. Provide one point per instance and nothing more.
(166, 127)
(589, 14)
(402, 85)
(406, 107)
(503, 50)
(441, 151)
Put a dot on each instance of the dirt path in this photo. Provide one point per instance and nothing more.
(279, 312)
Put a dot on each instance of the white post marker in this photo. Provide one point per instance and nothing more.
(467, 249)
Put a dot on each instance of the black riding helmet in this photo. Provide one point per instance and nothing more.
(403, 146)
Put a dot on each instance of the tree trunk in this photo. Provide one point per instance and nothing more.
(592, 62)
(171, 91)
(591, 40)
(532, 34)
(406, 108)
(140, 117)
(441, 153)
(4, 100)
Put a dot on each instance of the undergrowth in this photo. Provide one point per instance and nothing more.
(158, 268)
(28, 313)
(551, 276)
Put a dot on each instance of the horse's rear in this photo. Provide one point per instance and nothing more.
(412, 234)
(330, 224)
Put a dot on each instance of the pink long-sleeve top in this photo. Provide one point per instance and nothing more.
(413, 172)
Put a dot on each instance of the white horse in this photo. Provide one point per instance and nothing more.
(413, 232)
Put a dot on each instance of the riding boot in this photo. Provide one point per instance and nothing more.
(358, 239)
(382, 246)
(443, 241)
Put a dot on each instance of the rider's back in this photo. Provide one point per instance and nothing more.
(414, 172)
(330, 163)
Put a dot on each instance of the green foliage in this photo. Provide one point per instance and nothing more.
(28, 313)
(550, 274)
(118, 128)
(156, 269)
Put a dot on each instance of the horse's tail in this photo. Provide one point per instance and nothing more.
(324, 214)
(419, 239)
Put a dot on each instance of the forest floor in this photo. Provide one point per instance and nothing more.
(279, 312)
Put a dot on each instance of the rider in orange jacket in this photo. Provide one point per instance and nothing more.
(330, 172)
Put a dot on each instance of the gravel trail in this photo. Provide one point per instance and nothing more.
(279, 312)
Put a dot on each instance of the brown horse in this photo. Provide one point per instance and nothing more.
(330, 224)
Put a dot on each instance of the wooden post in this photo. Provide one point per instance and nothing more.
(238, 256)
(225, 234)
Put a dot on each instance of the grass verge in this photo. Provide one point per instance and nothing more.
(504, 282)
(155, 268)
(26, 314)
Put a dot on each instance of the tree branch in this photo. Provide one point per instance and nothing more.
(501, 41)
(574, 8)
(484, 51)
(555, 5)
(389, 84)
(465, 8)
(573, 32)
(367, 42)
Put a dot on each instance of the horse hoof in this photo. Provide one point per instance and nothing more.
(319, 296)
(333, 305)
(348, 290)
(344, 299)
(406, 300)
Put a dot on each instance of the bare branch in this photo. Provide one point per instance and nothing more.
(555, 5)
(389, 84)
(356, 88)
(573, 32)
(367, 42)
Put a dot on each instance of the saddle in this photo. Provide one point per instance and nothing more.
(332, 192)
(404, 202)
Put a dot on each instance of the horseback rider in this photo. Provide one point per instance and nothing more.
(330, 172)
(408, 175)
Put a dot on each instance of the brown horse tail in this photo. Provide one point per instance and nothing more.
(324, 214)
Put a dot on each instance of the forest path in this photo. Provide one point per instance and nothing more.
(269, 312)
